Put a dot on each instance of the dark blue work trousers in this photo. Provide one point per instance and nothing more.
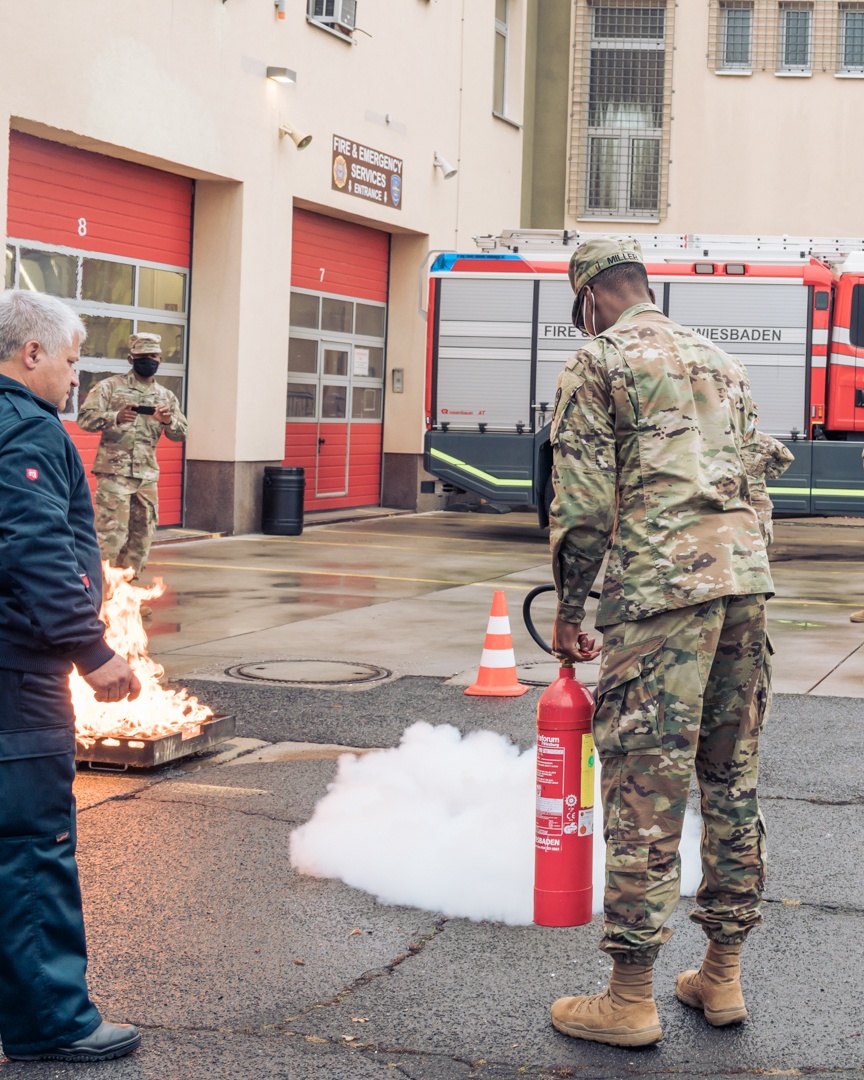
(43, 956)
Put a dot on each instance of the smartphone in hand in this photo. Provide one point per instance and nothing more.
(144, 410)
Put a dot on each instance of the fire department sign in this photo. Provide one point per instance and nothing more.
(366, 173)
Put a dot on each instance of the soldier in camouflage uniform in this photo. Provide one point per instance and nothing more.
(765, 458)
(127, 501)
(648, 437)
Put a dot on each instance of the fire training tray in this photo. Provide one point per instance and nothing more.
(120, 752)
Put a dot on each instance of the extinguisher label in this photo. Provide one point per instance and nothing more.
(586, 822)
(550, 790)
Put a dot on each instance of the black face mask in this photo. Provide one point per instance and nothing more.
(145, 366)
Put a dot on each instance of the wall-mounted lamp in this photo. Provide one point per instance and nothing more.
(300, 140)
(444, 165)
(281, 75)
(280, 8)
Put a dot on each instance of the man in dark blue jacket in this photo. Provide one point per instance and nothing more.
(50, 594)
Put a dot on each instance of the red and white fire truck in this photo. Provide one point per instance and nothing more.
(791, 308)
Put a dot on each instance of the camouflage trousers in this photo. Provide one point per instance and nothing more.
(682, 689)
(127, 510)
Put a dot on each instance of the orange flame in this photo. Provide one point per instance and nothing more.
(156, 711)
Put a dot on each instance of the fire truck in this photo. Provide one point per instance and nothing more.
(790, 308)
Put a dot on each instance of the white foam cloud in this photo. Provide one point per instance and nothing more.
(444, 823)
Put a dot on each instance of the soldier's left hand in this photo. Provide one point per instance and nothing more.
(570, 642)
(163, 414)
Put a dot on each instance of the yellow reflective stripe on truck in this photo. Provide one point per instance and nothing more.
(497, 481)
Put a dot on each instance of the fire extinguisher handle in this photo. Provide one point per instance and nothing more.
(529, 622)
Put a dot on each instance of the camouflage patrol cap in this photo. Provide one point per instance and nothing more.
(599, 253)
(145, 345)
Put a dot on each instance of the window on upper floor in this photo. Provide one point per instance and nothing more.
(795, 47)
(502, 42)
(851, 38)
(619, 142)
(787, 37)
(338, 16)
(735, 47)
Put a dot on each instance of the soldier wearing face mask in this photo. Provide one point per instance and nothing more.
(131, 411)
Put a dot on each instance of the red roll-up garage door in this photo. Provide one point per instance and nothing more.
(339, 282)
(113, 239)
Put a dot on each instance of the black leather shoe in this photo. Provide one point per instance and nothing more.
(108, 1041)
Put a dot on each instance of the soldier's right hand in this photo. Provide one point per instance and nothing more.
(570, 642)
(114, 681)
(127, 415)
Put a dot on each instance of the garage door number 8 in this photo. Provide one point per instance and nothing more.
(82, 226)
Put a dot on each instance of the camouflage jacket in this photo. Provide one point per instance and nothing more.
(647, 433)
(765, 458)
(129, 449)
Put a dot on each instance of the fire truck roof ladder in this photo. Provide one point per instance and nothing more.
(680, 246)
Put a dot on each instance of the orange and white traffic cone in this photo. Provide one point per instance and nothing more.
(497, 674)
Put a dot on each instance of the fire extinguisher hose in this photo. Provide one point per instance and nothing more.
(529, 622)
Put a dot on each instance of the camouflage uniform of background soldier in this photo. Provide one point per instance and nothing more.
(127, 501)
(765, 458)
(654, 419)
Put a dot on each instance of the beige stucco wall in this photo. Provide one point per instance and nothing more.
(182, 86)
(753, 155)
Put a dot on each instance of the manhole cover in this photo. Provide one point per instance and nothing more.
(315, 673)
(544, 672)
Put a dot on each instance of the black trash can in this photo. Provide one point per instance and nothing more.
(282, 512)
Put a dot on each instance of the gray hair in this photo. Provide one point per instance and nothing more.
(33, 316)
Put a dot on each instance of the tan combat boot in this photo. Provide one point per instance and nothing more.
(623, 1015)
(857, 616)
(716, 987)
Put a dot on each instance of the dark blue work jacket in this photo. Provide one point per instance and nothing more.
(50, 569)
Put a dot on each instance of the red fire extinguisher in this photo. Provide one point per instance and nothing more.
(564, 835)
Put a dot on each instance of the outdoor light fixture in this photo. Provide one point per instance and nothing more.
(444, 165)
(300, 140)
(281, 75)
(280, 8)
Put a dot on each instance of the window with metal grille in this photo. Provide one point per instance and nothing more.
(787, 37)
(620, 131)
(796, 37)
(851, 38)
(736, 35)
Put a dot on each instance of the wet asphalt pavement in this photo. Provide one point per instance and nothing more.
(235, 966)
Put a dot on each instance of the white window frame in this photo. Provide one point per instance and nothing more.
(133, 313)
(333, 338)
(789, 7)
(328, 23)
(502, 30)
(724, 66)
(842, 67)
(625, 139)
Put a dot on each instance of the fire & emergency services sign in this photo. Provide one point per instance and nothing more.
(366, 173)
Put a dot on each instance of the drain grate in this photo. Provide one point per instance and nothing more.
(318, 674)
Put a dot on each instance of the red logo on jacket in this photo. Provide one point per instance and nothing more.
(32, 474)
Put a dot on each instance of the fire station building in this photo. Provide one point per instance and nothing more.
(265, 185)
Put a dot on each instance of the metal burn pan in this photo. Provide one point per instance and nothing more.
(121, 752)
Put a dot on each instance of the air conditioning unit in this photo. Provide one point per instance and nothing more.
(337, 13)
